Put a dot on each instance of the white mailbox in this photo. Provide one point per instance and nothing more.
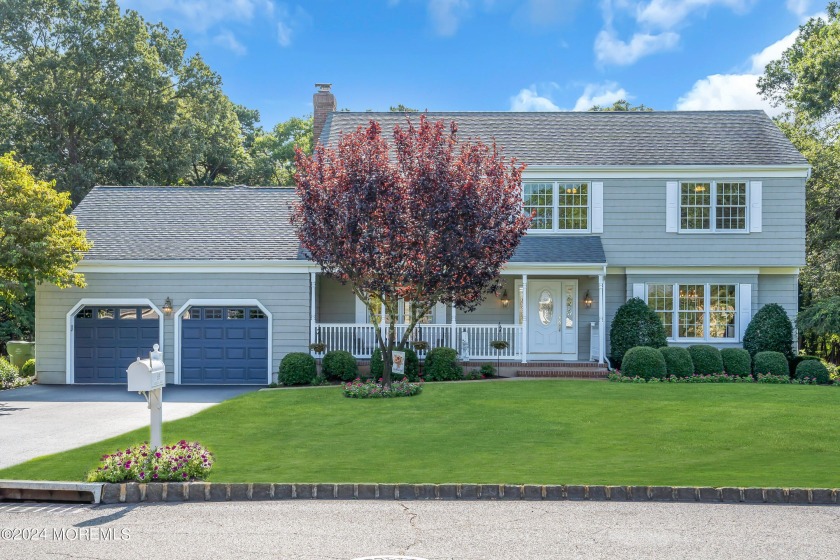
(148, 374)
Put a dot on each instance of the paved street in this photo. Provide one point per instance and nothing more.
(431, 530)
(42, 419)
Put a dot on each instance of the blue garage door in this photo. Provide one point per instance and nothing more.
(224, 345)
(109, 338)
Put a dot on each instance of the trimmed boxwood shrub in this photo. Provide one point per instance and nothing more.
(814, 369)
(635, 324)
(770, 331)
(441, 364)
(412, 364)
(297, 368)
(28, 368)
(8, 372)
(736, 361)
(770, 362)
(645, 362)
(796, 360)
(706, 359)
(339, 365)
(677, 361)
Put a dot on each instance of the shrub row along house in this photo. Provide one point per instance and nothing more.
(701, 214)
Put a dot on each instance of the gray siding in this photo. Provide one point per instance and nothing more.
(779, 288)
(336, 303)
(616, 291)
(286, 296)
(634, 229)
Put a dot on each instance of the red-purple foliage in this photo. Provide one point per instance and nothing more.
(427, 219)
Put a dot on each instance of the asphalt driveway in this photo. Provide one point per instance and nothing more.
(42, 419)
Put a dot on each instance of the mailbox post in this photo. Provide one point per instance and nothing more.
(148, 377)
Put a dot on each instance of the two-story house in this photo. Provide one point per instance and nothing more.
(702, 214)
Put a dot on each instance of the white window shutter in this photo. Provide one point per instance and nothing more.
(744, 308)
(361, 311)
(672, 207)
(597, 207)
(755, 206)
(439, 314)
(639, 290)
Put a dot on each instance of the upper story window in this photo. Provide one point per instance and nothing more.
(558, 206)
(713, 206)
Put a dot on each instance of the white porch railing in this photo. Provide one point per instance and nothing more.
(471, 341)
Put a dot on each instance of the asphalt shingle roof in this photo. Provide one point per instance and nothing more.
(609, 138)
(568, 249)
(189, 223)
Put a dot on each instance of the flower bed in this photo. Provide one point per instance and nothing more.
(719, 378)
(180, 462)
(369, 389)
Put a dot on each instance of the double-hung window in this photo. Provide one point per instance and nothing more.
(714, 206)
(694, 311)
(558, 206)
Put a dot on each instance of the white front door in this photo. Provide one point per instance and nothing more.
(552, 319)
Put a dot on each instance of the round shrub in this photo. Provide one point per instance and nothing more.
(634, 324)
(441, 364)
(297, 368)
(28, 368)
(773, 363)
(339, 365)
(706, 359)
(645, 362)
(736, 361)
(8, 372)
(813, 369)
(770, 331)
(412, 364)
(798, 359)
(677, 361)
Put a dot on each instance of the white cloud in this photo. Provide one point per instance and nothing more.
(600, 94)
(289, 23)
(610, 49)
(446, 15)
(203, 14)
(228, 40)
(284, 34)
(667, 14)
(736, 91)
(529, 100)
(799, 7)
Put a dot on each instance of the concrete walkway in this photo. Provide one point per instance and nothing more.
(42, 419)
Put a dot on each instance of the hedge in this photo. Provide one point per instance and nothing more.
(339, 365)
(771, 362)
(815, 370)
(677, 361)
(645, 362)
(635, 324)
(736, 361)
(769, 331)
(297, 368)
(706, 359)
(441, 364)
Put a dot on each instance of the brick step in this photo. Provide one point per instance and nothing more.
(565, 372)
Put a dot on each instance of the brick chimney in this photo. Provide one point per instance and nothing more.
(324, 103)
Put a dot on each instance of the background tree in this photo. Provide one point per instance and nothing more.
(400, 108)
(620, 105)
(434, 223)
(39, 242)
(93, 95)
(271, 155)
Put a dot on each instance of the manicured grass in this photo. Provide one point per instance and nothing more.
(542, 432)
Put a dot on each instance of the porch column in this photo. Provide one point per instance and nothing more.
(524, 346)
(312, 278)
(453, 331)
(602, 317)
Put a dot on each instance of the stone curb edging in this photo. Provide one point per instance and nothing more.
(134, 492)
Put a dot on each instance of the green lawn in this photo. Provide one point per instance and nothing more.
(542, 432)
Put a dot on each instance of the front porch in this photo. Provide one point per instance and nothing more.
(544, 315)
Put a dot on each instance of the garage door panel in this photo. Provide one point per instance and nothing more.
(224, 345)
(106, 333)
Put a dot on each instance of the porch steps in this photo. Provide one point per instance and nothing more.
(563, 370)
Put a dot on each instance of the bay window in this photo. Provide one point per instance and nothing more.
(701, 312)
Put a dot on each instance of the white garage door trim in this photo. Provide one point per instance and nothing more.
(223, 303)
(70, 331)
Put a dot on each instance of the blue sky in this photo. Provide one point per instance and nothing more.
(486, 55)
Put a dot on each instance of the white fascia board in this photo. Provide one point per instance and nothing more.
(692, 270)
(554, 268)
(787, 270)
(664, 171)
(199, 266)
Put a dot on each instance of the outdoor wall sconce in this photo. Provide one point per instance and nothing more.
(167, 307)
(587, 300)
(504, 299)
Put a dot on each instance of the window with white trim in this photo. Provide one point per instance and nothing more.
(557, 206)
(695, 312)
(713, 206)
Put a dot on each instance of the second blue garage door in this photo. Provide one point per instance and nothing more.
(224, 345)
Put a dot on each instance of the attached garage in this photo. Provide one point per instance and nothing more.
(108, 338)
(224, 345)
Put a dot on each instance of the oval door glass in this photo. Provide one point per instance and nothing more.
(546, 306)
